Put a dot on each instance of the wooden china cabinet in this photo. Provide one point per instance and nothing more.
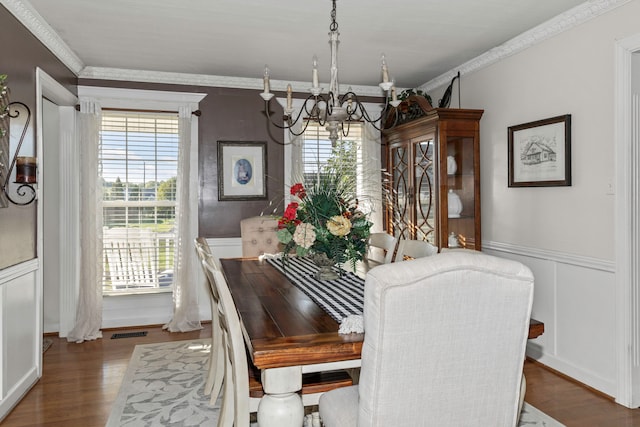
(434, 177)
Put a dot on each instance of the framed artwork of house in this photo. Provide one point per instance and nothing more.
(540, 153)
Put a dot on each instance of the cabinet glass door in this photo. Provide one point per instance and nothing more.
(425, 189)
(461, 195)
(400, 188)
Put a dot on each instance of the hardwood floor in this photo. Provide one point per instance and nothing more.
(80, 382)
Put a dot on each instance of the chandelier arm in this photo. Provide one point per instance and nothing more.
(346, 133)
(359, 106)
(291, 123)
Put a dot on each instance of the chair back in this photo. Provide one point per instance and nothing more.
(215, 374)
(259, 236)
(414, 249)
(445, 341)
(382, 242)
(235, 404)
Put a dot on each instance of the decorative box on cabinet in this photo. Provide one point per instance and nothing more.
(434, 167)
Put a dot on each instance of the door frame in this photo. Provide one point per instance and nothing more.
(47, 87)
(627, 230)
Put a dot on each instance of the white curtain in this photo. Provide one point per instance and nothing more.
(371, 190)
(293, 166)
(185, 292)
(297, 164)
(89, 311)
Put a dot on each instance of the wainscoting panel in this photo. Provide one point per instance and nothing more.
(230, 247)
(575, 298)
(20, 332)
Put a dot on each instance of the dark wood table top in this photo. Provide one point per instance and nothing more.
(283, 326)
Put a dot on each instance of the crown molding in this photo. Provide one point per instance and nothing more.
(102, 73)
(35, 23)
(563, 22)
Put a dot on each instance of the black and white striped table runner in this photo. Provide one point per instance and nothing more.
(339, 298)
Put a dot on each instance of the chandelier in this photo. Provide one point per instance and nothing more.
(334, 111)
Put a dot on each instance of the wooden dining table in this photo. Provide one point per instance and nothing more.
(288, 334)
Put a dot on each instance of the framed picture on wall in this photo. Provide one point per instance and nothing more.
(540, 153)
(242, 169)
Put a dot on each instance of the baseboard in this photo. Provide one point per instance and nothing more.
(571, 371)
(570, 379)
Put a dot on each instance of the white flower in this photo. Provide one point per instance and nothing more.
(339, 225)
(304, 235)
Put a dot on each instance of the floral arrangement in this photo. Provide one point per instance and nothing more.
(325, 219)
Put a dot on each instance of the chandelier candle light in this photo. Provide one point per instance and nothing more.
(333, 110)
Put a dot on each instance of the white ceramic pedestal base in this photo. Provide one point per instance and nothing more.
(280, 410)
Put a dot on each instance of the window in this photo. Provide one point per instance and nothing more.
(138, 158)
(318, 155)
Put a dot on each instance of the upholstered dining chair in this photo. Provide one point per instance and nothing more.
(382, 242)
(242, 384)
(414, 249)
(444, 345)
(258, 235)
(215, 371)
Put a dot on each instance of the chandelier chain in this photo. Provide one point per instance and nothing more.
(334, 23)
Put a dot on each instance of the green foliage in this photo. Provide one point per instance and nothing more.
(408, 92)
(329, 197)
(167, 189)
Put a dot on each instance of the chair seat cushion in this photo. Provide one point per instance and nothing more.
(340, 407)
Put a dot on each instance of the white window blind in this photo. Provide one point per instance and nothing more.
(318, 153)
(138, 159)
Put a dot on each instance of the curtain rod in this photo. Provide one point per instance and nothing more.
(197, 113)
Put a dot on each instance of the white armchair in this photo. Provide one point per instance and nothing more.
(444, 345)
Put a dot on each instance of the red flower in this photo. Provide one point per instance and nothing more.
(290, 212)
(298, 190)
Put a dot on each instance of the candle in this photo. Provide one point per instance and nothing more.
(314, 75)
(385, 70)
(266, 79)
(26, 170)
(394, 96)
(289, 100)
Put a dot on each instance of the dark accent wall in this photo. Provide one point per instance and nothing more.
(21, 53)
(227, 115)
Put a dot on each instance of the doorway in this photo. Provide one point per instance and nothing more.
(57, 241)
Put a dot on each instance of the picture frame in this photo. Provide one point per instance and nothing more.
(540, 153)
(242, 170)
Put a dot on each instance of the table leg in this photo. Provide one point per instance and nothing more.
(281, 405)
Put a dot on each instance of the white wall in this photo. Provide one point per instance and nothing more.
(565, 234)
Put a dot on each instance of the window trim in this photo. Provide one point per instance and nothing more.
(139, 99)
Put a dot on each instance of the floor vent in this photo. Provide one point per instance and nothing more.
(129, 335)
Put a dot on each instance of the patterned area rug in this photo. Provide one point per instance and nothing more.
(163, 386)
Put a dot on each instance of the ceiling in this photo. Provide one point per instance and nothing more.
(422, 39)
